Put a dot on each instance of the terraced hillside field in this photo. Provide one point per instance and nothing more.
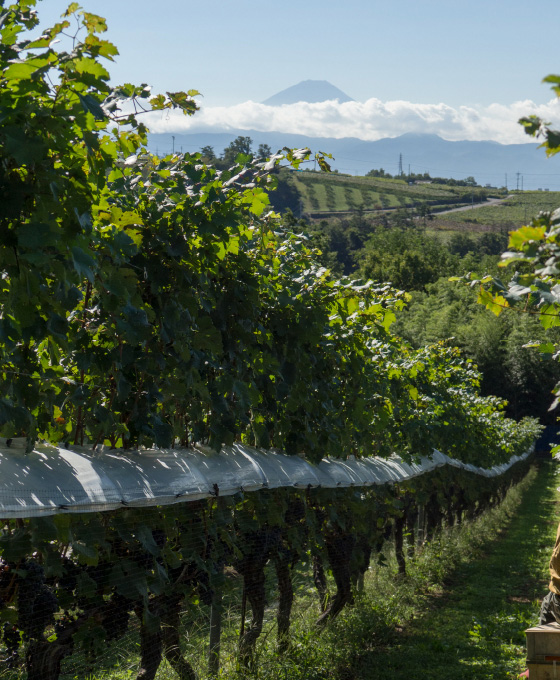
(323, 194)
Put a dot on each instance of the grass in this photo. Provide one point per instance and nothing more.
(517, 210)
(459, 614)
(473, 627)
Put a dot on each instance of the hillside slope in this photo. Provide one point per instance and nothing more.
(318, 195)
(488, 162)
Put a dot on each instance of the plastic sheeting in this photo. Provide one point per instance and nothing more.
(51, 480)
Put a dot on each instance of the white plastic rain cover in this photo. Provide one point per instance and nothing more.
(51, 479)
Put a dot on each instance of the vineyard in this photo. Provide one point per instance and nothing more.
(321, 195)
(158, 320)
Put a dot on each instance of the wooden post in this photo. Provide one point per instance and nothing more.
(215, 633)
(421, 523)
(360, 583)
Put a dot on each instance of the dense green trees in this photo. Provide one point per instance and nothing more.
(240, 145)
(532, 292)
(397, 248)
(406, 257)
(496, 345)
(425, 177)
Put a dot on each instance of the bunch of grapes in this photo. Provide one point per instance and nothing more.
(116, 616)
(36, 601)
(6, 579)
(68, 580)
(11, 637)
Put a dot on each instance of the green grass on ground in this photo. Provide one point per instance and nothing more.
(474, 627)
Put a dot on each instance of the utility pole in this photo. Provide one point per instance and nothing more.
(400, 165)
(173, 147)
(518, 176)
(521, 182)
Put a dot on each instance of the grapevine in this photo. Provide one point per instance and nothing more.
(154, 302)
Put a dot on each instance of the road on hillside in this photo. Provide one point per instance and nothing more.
(490, 201)
(341, 213)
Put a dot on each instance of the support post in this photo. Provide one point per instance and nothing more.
(421, 524)
(215, 633)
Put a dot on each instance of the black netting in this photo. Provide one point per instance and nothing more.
(180, 590)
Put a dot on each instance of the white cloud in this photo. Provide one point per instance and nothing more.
(370, 120)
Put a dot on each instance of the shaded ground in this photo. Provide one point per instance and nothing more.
(474, 629)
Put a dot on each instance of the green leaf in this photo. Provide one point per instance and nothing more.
(57, 326)
(84, 264)
(546, 348)
(87, 554)
(145, 536)
(24, 70)
(72, 8)
(102, 48)
(35, 235)
(495, 303)
(16, 547)
(94, 23)
(85, 585)
(549, 316)
(25, 150)
(91, 105)
(91, 67)
(519, 238)
(208, 337)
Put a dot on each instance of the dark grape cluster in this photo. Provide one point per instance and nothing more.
(116, 616)
(36, 601)
(11, 637)
(6, 579)
(68, 580)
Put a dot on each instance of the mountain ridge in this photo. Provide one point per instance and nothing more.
(487, 161)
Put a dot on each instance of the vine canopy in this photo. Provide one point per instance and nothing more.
(158, 302)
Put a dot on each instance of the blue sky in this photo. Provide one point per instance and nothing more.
(419, 52)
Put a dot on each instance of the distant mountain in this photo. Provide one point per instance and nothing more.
(487, 162)
(311, 91)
